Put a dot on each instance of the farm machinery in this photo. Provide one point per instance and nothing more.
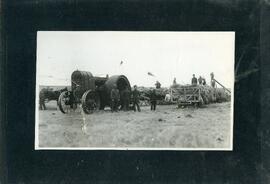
(198, 95)
(93, 93)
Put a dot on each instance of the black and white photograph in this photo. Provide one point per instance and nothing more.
(127, 90)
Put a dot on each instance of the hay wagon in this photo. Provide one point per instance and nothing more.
(187, 95)
(92, 93)
(198, 95)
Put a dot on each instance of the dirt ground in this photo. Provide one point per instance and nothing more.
(167, 127)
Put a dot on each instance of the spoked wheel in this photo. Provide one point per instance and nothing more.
(64, 102)
(90, 102)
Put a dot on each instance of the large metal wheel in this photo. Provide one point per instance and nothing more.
(64, 102)
(90, 102)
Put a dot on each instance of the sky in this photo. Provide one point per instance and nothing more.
(164, 54)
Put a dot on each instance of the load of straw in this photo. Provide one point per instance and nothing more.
(212, 95)
(222, 95)
(208, 93)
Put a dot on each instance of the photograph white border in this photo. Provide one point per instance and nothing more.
(36, 141)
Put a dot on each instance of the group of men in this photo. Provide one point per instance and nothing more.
(123, 98)
(200, 80)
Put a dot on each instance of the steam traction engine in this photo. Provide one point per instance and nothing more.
(93, 93)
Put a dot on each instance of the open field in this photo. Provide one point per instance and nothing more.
(167, 127)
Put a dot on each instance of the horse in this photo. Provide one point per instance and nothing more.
(48, 94)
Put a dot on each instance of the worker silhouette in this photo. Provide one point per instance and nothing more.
(158, 85)
(153, 100)
(194, 80)
(174, 81)
(126, 99)
(115, 97)
(200, 79)
(136, 99)
(213, 82)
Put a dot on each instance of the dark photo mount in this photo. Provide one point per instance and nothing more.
(247, 163)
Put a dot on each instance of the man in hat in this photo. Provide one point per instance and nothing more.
(136, 99)
(200, 79)
(115, 97)
(213, 82)
(153, 100)
(194, 80)
(126, 98)
(157, 84)
(122, 99)
(174, 81)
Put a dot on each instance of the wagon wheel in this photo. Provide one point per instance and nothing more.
(64, 102)
(90, 102)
